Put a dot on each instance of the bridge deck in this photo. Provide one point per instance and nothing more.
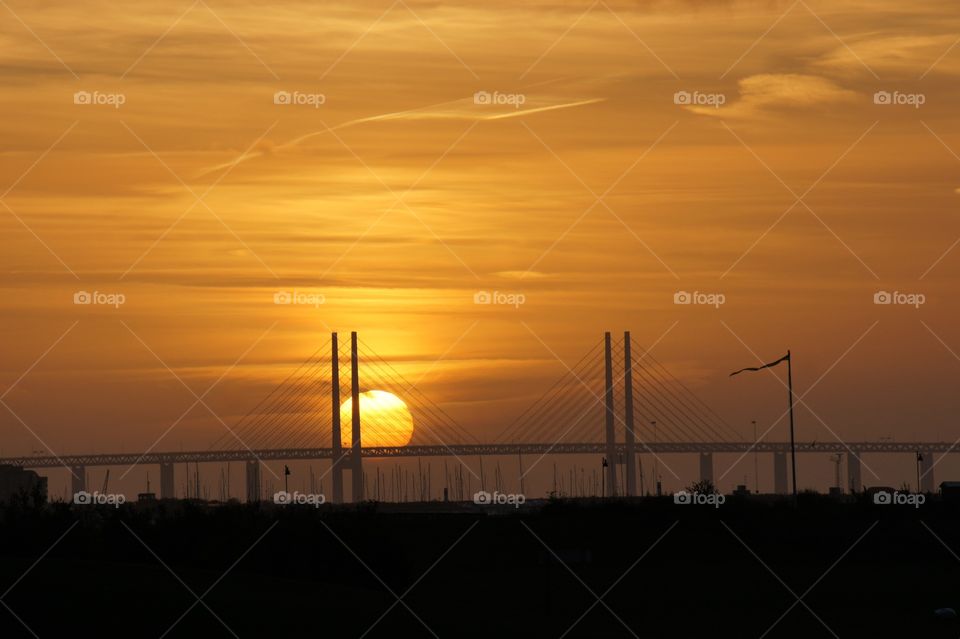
(466, 450)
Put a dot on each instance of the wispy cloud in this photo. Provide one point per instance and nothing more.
(892, 54)
(767, 93)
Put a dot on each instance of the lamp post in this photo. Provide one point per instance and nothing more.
(919, 459)
(790, 399)
(603, 478)
(656, 467)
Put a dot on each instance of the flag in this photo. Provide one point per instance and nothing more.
(286, 470)
(785, 358)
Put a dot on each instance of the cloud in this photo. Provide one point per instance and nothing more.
(913, 54)
(519, 275)
(762, 95)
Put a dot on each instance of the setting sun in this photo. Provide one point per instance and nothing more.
(385, 420)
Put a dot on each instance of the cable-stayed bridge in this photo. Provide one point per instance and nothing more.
(618, 401)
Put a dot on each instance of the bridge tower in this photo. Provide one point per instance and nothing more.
(610, 432)
(629, 451)
(356, 458)
(336, 444)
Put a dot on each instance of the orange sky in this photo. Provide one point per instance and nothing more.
(399, 198)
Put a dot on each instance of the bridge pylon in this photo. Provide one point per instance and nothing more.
(629, 436)
(609, 415)
(356, 456)
(336, 444)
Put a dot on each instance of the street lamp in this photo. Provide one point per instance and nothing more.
(656, 468)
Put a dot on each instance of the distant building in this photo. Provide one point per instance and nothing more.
(950, 491)
(741, 491)
(15, 480)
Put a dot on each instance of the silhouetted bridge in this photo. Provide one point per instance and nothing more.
(578, 415)
(852, 450)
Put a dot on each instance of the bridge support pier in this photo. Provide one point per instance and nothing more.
(780, 473)
(253, 481)
(706, 467)
(167, 490)
(853, 471)
(78, 480)
(927, 483)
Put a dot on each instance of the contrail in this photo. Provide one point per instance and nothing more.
(432, 112)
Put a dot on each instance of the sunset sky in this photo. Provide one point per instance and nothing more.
(590, 191)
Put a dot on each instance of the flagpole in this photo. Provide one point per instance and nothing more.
(793, 448)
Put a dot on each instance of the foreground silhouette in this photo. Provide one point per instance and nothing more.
(460, 570)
